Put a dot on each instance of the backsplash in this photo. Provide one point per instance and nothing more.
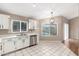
(4, 31)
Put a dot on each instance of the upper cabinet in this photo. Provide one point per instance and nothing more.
(4, 21)
(33, 24)
(19, 26)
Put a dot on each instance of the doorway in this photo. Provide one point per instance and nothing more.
(66, 31)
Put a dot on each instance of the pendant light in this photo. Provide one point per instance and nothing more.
(51, 19)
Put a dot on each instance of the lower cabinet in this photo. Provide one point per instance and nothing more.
(14, 43)
(19, 43)
(7, 45)
(0, 49)
(26, 41)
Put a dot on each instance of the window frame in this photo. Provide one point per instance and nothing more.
(26, 26)
(20, 26)
(49, 29)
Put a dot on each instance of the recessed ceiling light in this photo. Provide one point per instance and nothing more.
(34, 5)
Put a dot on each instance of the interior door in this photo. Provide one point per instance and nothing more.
(66, 31)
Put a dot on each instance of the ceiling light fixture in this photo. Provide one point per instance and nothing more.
(34, 4)
(51, 19)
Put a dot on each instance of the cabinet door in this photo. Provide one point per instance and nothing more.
(0, 49)
(1, 22)
(7, 45)
(4, 21)
(37, 39)
(25, 42)
(19, 43)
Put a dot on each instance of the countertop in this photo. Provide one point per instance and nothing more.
(16, 35)
(6, 36)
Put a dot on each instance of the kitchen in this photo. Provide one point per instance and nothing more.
(18, 36)
(29, 29)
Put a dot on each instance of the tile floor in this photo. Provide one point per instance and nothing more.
(45, 48)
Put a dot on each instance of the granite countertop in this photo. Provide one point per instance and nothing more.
(16, 35)
(6, 36)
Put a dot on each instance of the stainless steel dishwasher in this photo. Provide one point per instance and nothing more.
(33, 40)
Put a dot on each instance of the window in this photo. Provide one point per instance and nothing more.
(19, 26)
(49, 29)
(46, 29)
(16, 26)
(23, 26)
(53, 29)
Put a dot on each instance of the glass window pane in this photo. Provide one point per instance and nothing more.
(16, 26)
(23, 26)
(53, 29)
(46, 29)
(49, 29)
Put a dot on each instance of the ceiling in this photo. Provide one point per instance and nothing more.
(42, 10)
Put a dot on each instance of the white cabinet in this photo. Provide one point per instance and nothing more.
(33, 24)
(19, 43)
(26, 41)
(14, 43)
(0, 49)
(7, 45)
(4, 21)
(0, 23)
